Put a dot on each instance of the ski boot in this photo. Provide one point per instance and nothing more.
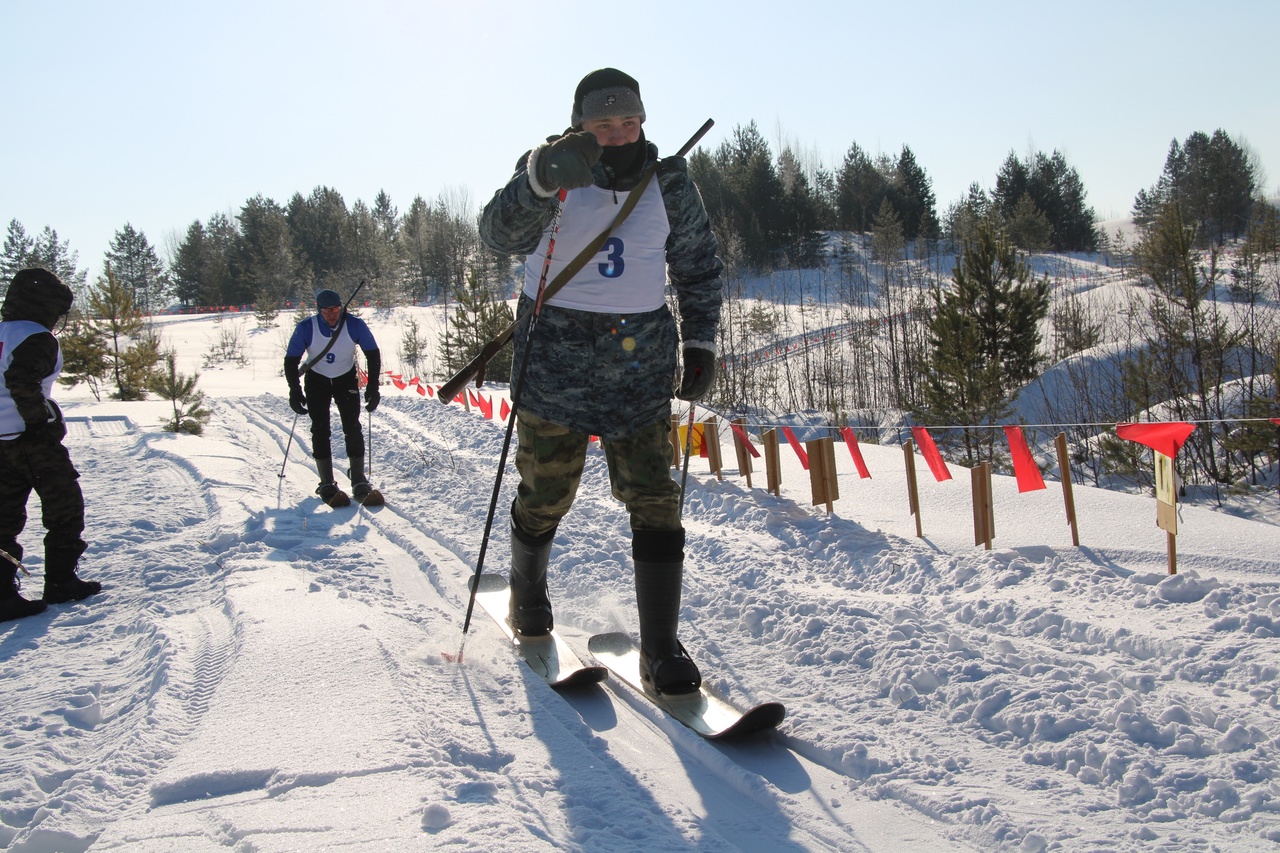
(665, 666)
(530, 609)
(328, 490)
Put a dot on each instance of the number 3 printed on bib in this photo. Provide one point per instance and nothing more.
(613, 265)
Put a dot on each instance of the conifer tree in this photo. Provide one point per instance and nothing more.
(136, 266)
(111, 305)
(480, 315)
(985, 336)
(189, 414)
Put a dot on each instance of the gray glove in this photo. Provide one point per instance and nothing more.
(699, 373)
(566, 163)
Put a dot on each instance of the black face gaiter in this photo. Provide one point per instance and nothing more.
(625, 160)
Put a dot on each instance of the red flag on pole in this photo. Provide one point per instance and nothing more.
(1276, 421)
(795, 445)
(746, 442)
(851, 441)
(486, 406)
(1166, 437)
(1025, 469)
(929, 450)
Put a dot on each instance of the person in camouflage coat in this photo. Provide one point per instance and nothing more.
(606, 350)
(32, 456)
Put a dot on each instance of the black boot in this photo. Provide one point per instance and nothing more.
(361, 488)
(665, 667)
(530, 609)
(328, 489)
(60, 581)
(13, 605)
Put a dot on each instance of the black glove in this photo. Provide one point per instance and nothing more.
(699, 372)
(52, 427)
(566, 163)
(297, 400)
(372, 395)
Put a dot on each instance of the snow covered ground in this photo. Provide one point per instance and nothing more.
(263, 673)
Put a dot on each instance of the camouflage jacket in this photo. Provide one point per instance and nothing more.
(608, 374)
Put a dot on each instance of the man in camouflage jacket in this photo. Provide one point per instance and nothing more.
(603, 359)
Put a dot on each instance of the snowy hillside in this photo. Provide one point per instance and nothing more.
(264, 673)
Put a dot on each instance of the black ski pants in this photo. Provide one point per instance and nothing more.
(344, 391)
(39, 462)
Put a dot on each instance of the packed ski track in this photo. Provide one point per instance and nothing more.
(266, 673)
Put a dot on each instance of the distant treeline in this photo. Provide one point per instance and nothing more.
(769, 212)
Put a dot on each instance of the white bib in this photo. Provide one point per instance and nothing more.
(628, 274)
(340, 357)
(12, 333)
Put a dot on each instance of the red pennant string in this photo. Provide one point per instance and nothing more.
(1166, 437)
(1025, 469)
(742, 436)
(929, 450)
(486, 406)
(851, 441)
(399, 383)
(422, 391)
(795, 445)
(504, 410)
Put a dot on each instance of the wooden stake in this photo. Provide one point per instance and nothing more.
(822, 471)
(772, 462)
(913, 493)
(1068, 499)
(711, 437)
(740, 449)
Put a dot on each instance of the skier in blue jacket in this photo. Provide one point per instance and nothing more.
(329, 341)
(606, 351)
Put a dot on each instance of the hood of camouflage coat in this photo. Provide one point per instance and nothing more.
(37, 295)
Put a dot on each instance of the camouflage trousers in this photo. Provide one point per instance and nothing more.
(344, 391)
(42, 464)
(550, 460)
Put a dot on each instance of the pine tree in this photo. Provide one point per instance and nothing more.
(17, 249)
(189, 414)
(111, 305)
(57, 257)
(480, 316)
(985, 336)
(85, 356)
(136, 266)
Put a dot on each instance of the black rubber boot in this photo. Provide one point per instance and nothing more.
(328, 489)
(61, 583)
(665, 667)
(12, 604)
(530, 610)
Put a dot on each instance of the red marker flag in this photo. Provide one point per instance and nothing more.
(1166, 437)
(929, 450)
(746, 442)
(1025, 469)
(504, 410)
(795, 445)
(422, 390)
(851, 441)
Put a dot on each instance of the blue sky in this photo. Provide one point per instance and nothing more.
(161, 113)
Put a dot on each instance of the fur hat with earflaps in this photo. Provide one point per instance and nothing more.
(606, 93)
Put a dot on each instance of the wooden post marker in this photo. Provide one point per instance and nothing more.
(984, 521)
(822, 471)
(711, 441)
(913, 493)
(1068, 499)
(772, 462)
(740, 450)
(1167, 506)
